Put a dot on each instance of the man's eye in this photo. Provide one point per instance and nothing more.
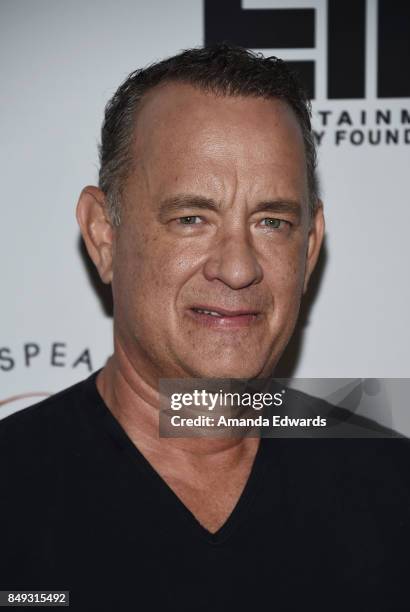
(192, 220)
(273, 223)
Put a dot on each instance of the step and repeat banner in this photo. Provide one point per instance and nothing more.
(61, 62)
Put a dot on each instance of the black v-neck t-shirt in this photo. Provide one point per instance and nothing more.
(322, 524)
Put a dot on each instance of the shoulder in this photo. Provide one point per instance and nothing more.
(378, 468)
(60, 403)
(36, 430)
(351, 451)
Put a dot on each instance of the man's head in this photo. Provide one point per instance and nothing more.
(207, 202)
(221, 69)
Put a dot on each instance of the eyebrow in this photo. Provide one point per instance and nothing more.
(186, 201)
(178, 202)
(280, 206)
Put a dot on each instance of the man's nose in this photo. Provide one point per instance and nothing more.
(233, 261)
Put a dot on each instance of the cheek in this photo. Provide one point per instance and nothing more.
(285, 274)
(151, 270)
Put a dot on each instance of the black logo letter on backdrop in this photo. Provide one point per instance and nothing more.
(346, 48)
(226, 20)
(394, 49)
(263, 29)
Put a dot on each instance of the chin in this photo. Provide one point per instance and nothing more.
(228, 370)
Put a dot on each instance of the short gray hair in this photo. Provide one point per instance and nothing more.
(221, 68)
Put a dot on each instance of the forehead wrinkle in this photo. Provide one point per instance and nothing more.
(227, 159)
(186, 105)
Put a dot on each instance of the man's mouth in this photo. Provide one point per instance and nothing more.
(209, 312)
(221, 318)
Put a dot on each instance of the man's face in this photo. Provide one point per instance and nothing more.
(209, 262)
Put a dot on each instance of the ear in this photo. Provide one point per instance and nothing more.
(96, 229)
(315, 239)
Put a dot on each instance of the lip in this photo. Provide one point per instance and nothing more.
(228, 319)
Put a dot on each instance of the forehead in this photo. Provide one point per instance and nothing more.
(183, 130)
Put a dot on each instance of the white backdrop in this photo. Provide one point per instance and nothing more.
(60, 62)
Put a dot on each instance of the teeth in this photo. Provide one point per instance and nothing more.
(210, 312)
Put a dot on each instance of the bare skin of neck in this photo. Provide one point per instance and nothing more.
(207, 475)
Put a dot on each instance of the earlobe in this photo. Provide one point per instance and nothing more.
(96, 230)
(315, 240)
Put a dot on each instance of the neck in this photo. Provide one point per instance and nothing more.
(134, 402)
